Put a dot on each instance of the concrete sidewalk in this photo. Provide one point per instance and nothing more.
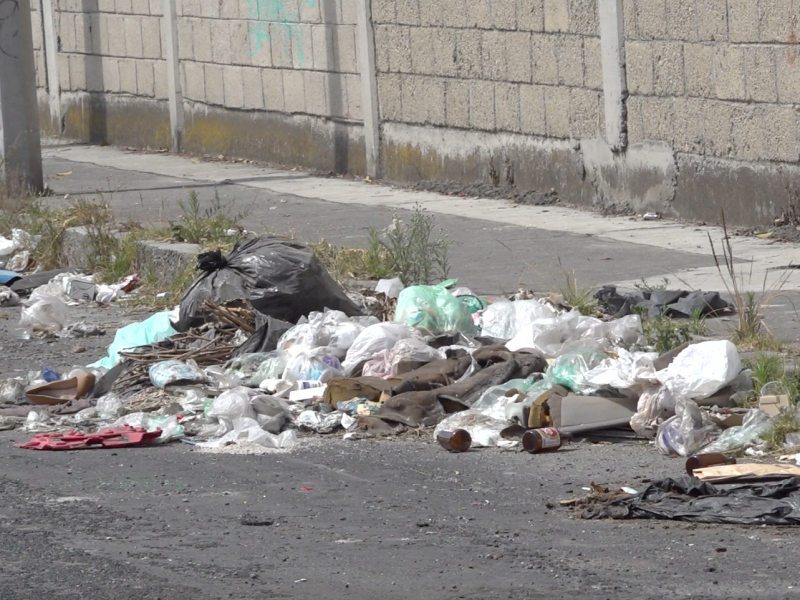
(498, 247)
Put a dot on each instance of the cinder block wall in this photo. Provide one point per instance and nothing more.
(718, 82)
(701, 96)
(497, 72)
(111, 71)
(273, 79)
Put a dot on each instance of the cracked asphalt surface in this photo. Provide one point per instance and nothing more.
(396, 519)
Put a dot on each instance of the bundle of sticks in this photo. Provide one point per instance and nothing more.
(209, 344)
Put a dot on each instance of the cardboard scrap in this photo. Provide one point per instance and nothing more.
(746, 471)
(773, 405)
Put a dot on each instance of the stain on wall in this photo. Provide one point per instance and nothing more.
(262, 13)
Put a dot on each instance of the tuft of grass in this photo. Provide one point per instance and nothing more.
(159, 294)
(417, 251)
(766, 368)
(573, 296)
(206, 226)
(665, 333)
(350, 263)
(750, 327)
(644, 286)
(775, 436)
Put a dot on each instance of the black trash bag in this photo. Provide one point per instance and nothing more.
(689, 499)
(265, 339)
(280, 278)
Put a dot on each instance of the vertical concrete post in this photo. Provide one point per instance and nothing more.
(173, 75)
(20, 150)
(369, 86)
(615, 85)
(51, 63)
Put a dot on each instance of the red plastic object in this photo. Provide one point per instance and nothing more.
(115, 437)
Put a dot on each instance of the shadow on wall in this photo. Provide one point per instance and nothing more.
(95, 80)
(336, 102)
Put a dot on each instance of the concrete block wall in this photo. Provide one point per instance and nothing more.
(519, 66)
(715, 78)
(686, 107)
(295, 57)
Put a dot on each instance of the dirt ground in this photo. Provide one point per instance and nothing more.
(348, 520)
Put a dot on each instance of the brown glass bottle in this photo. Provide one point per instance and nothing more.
(456, 440)
(712, 459)
(546, 439)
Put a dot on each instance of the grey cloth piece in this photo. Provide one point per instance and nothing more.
(673, 303)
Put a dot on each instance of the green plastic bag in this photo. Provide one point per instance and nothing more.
(434, 309)
(154, 329)
(570, 369)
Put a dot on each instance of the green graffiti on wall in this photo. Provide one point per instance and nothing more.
(264, 14)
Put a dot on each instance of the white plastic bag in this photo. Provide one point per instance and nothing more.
(483, 429)
(390, 287)
(311, 419)
(374, 339)
(46, 314)
(504, 320)
(629, 371)
(8, 297)
(169, 372)
(231, 405)
(386, 364)
(702, 369)
(248, 430)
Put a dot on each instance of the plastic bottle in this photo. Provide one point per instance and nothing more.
(701, 461)
(456, 440)
(546, 439)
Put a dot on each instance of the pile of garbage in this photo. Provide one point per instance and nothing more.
(266, 346)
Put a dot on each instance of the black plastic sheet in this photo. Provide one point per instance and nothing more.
(689, 499)
(279, 277)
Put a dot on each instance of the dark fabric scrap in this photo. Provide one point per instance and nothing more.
(689, 499)
(673, 303)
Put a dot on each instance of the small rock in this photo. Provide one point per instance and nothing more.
(255, 520)
(78, 349)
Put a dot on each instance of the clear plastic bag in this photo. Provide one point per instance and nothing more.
(12, 391)
(386, 364)
(375, 339)
(493, 401)
(8, 297)
(571, 369)
(755, 423)
(272, 367)
(689, 431)
(109, 406)
(314, 365)
(433, 309)
(46, 314)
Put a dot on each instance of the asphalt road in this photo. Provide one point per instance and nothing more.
(351, 520)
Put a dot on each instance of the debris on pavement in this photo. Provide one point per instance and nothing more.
(266, 350)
